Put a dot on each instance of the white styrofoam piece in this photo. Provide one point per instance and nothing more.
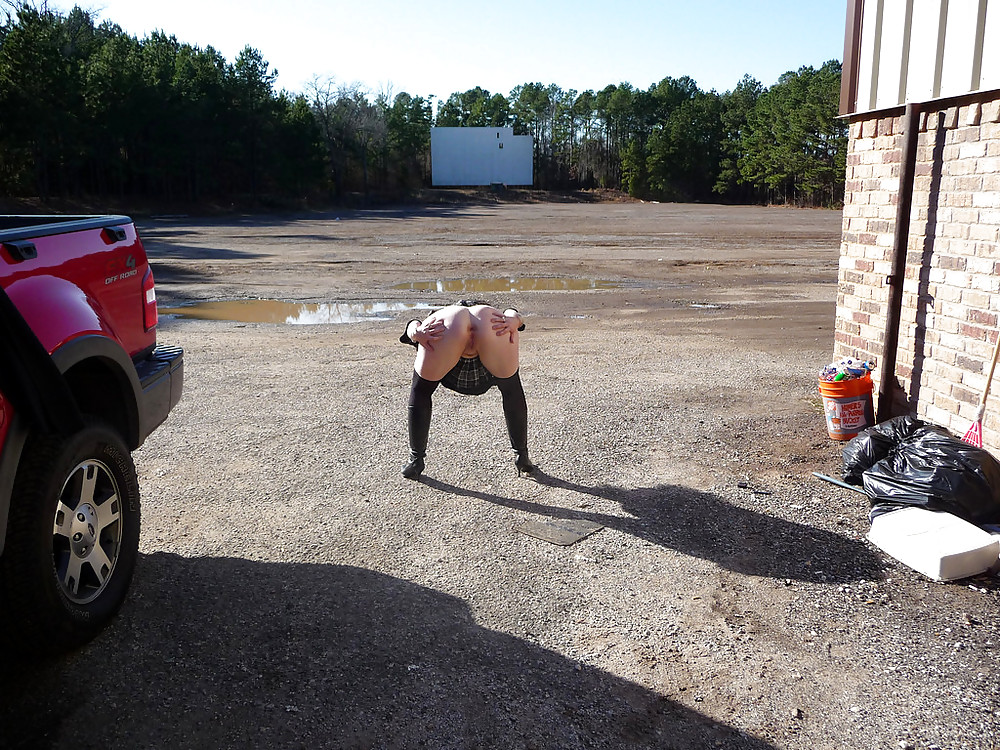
(994, 531)
(942, 546)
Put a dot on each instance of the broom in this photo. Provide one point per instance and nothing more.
(974, 435)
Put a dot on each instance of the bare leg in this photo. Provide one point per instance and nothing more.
(434, 364)
(499, 354)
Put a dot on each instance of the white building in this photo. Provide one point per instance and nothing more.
(480, 156)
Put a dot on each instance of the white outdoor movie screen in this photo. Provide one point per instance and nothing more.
(480, 156)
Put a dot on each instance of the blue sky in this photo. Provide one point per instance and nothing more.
(438, 47)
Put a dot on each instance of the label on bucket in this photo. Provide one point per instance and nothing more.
(846, 416)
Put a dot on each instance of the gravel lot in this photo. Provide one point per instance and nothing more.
(295, 591)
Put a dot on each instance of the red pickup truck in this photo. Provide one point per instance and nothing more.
(83, 382)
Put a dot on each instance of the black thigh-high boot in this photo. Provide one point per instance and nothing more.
(515, 412)
(418, 423)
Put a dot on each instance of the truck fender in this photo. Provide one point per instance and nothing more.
(106, 366)
(57, 310)
(114, 376)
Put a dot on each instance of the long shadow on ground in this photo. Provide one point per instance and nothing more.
(221, 652)
(706, 526)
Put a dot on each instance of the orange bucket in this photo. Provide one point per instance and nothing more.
(848, 406)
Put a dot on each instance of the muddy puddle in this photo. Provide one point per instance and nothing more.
(289, 313)
(523, 284)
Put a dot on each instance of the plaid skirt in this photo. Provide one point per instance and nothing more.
(469, 377)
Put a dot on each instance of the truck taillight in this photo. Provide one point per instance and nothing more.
(149, 316)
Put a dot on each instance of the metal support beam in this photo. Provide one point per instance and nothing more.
(900, 242)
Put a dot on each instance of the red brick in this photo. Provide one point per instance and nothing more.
(962, 394)
(951, 263)
(971, 331)
(969, 364)
(983, 318)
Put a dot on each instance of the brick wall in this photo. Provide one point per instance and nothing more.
(951, 293)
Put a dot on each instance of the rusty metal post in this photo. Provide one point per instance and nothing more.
(900, 243)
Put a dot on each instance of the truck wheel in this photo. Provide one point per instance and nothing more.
(72, 538)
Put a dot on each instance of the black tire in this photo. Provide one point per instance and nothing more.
(72, 538)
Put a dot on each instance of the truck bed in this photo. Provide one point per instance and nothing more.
(13, 227)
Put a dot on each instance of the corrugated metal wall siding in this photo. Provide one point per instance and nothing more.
(944, 55)
(899, 51)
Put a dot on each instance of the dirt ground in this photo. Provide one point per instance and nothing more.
(295, 591)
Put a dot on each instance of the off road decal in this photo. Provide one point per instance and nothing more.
(119, 268)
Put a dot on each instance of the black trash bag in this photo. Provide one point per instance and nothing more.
(905, 462)
(874, 444)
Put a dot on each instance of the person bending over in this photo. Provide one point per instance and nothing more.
(468, 347)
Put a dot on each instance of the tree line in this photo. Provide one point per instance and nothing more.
(91, 111)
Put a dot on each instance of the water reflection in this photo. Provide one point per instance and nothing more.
(522, 284)
(290, 313)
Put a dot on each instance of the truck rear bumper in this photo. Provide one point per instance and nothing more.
(161, 376)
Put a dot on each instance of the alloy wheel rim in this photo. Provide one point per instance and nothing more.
(87, 531)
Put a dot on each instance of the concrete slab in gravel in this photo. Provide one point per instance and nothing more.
(560, 531)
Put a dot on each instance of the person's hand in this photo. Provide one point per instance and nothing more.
(428, 332)
(505, 325)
